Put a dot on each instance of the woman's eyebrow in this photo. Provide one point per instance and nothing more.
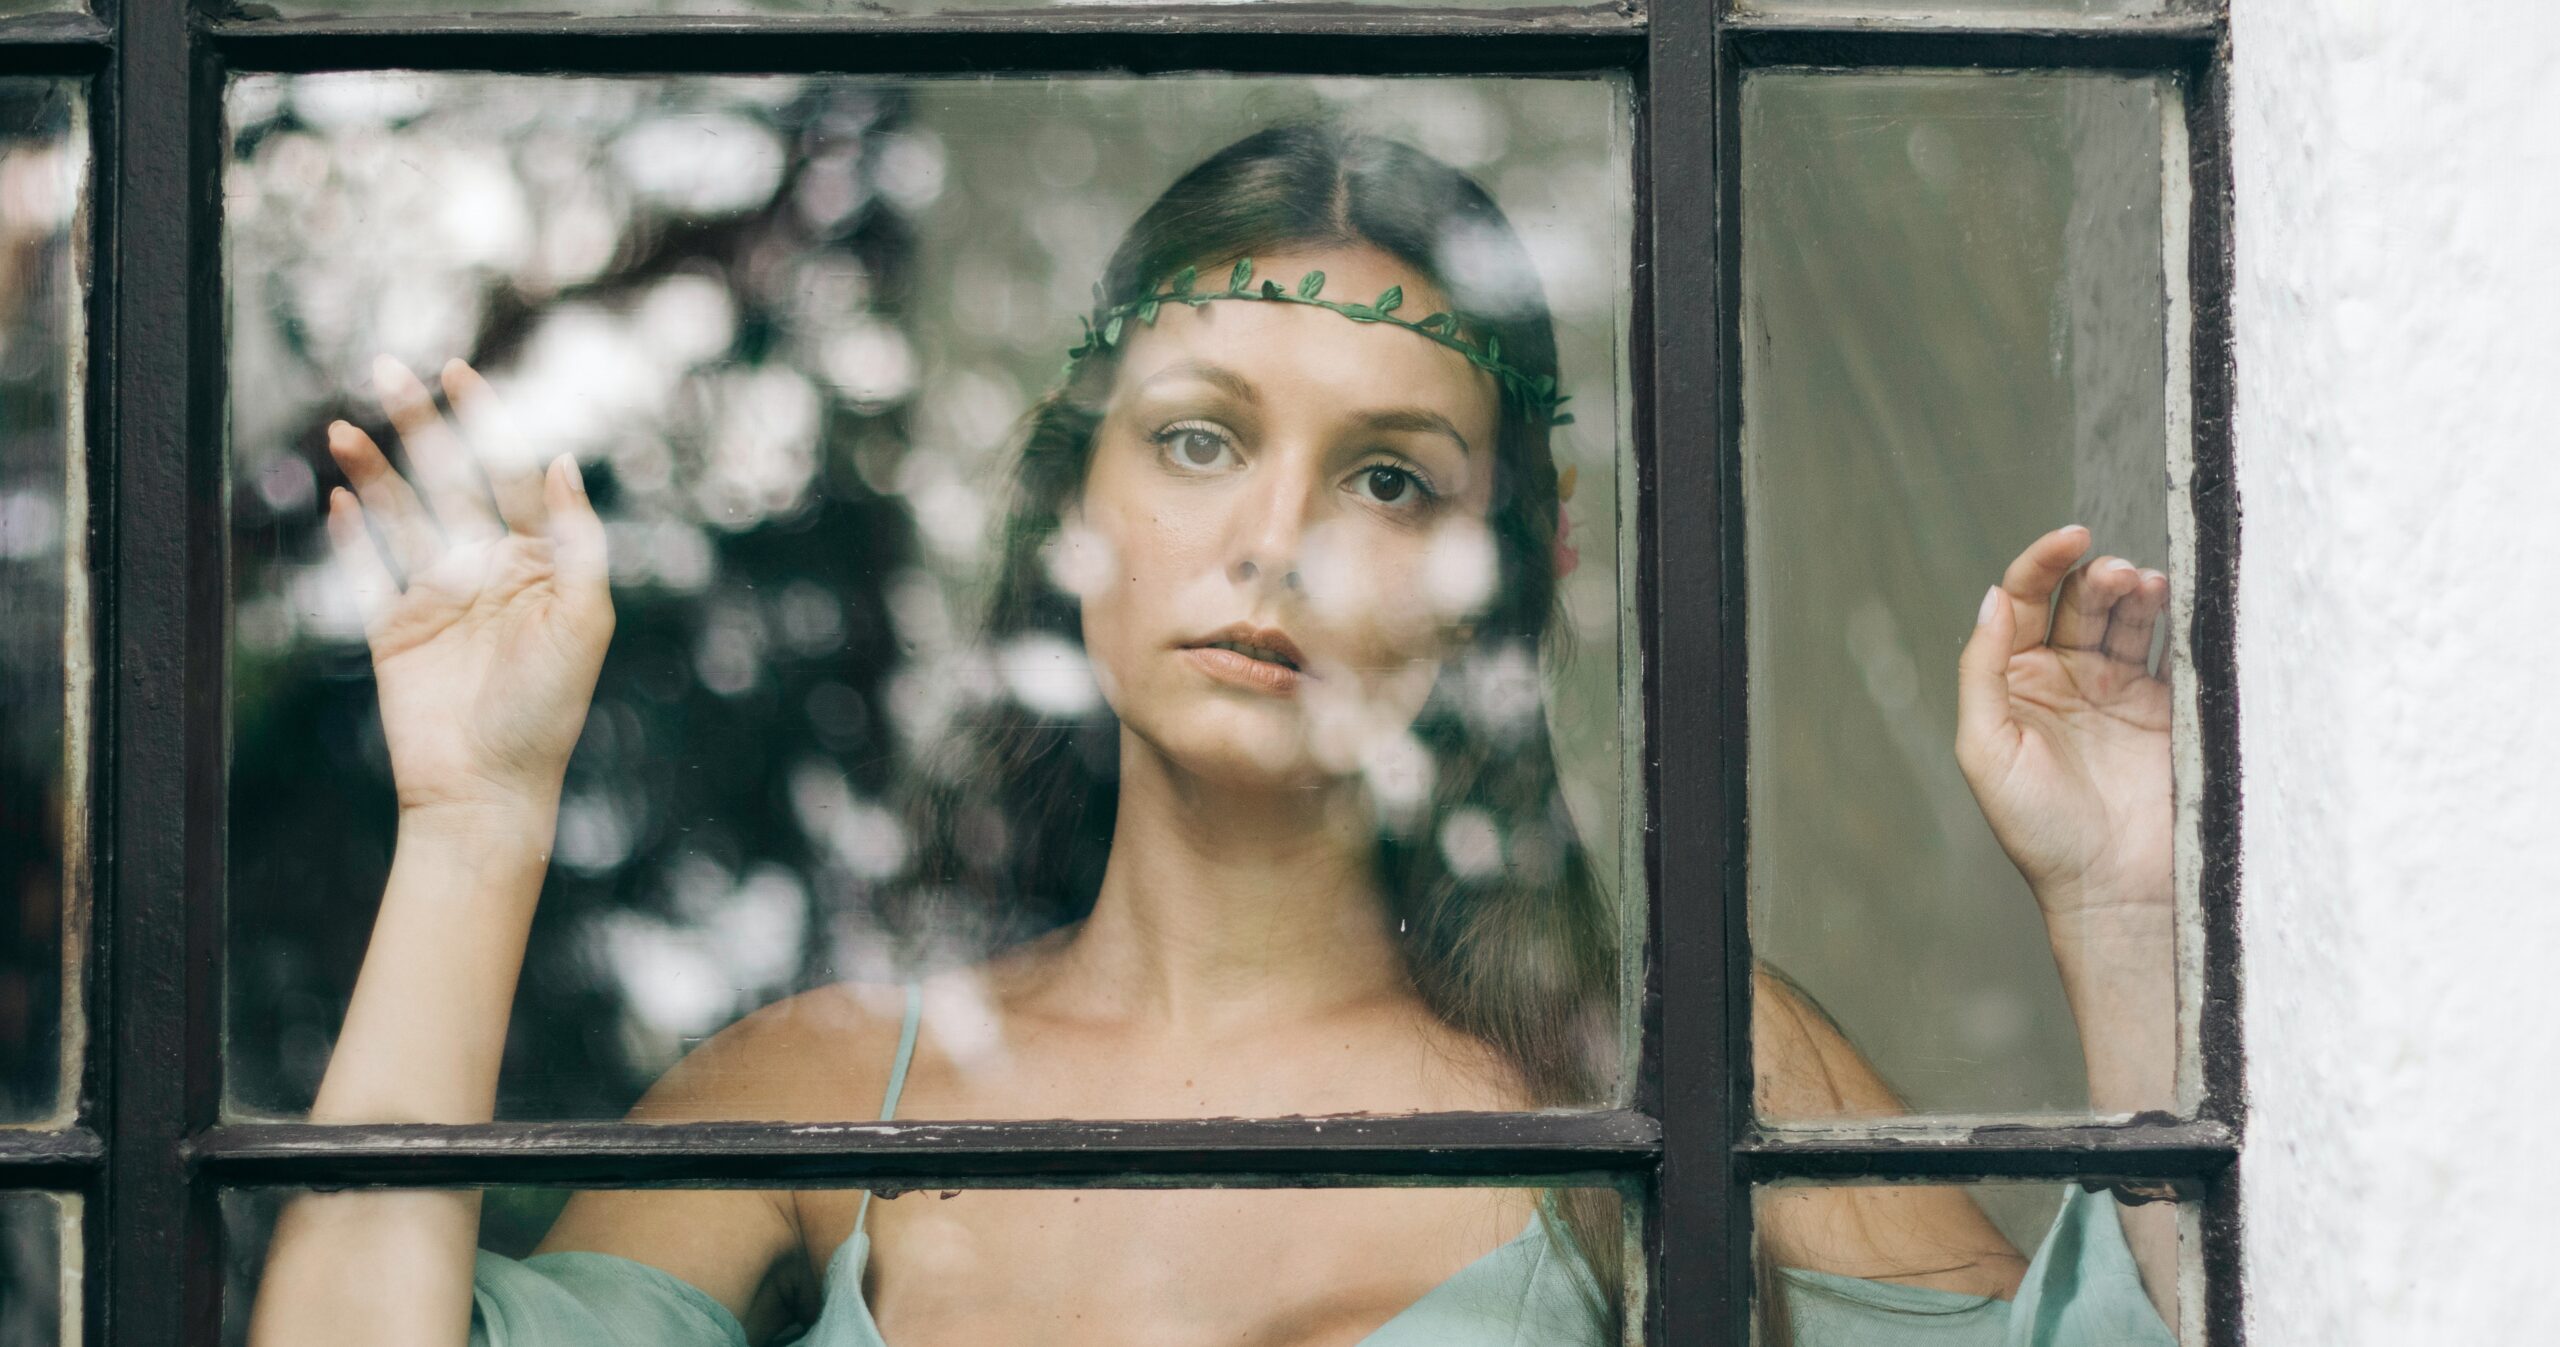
(1240, 388)
(1219, 376)
(1417, 418)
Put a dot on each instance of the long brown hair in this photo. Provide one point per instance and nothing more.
(1016, 829)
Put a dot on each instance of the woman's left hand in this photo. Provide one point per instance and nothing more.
(2064, 734)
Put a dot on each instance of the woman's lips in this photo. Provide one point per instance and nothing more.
(1244, 671)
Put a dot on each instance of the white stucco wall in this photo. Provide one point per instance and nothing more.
(2399, 438)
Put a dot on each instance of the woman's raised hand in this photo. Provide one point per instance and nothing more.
(484, 596)
(2064, 734)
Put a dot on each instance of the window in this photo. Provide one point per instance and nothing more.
(1913, 283)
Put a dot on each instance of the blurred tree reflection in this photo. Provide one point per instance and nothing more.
(43, 166)
(665, 272)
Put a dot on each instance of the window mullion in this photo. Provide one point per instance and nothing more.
(1697, 1059)
(159, 822)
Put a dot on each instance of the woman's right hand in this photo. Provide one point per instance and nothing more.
(484, 598)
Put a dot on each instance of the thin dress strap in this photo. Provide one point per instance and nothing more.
(897, 1079)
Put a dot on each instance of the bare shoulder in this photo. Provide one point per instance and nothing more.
(818, 1055)
(1808, 1067)
(823, 1054)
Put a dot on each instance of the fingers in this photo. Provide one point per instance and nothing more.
(412, 536)
(358, 558)
(1986, 731)
(577, 535)
(2089, 594)
(2136, 616)
(2031, 579)
(515, 474)
(442, 464)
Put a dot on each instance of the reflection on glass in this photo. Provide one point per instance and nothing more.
(44, 662)
(1451, 1267)
(1950, 1265)
(36, 1241)
(908, 638)
(1953, 290)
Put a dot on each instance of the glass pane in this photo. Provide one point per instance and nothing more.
(39, 1269)
(1244, 715)
(1953, 289)
(44, 637)
(1951, 1263)
(1064, 1266)
(1963, 12)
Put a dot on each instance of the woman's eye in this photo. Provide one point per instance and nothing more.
(1195, 446)
(1391, 486)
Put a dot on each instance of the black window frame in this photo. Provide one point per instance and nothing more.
(147, 1149)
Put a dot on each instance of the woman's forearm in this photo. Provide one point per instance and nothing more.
(2118, 966)
(428, 1021)
(421, 1043)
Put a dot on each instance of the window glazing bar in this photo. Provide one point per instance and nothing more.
(2182, 43)
(53, 44)
(1241, 41)
(2173, 1150)
(1057, 17)
(50, 1159)
(1551, 1147)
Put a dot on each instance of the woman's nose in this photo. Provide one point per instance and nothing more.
(1248, 570)
(1270, 531)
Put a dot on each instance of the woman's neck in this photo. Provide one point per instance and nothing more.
(1222, 907)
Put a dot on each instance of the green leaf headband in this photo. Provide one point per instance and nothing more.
(1535, 394)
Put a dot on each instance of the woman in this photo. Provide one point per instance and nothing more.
(1280, 526)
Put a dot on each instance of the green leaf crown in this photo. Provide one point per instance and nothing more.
(1536, 394)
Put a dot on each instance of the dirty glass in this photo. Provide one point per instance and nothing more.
(1955, 322)
(1955, 1262)
(860, 716)
(980, 1264)
(44, 640)
(39, 1259)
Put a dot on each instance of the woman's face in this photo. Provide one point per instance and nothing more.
(1282, 529)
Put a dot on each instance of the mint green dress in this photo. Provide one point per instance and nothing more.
(2081, 1290)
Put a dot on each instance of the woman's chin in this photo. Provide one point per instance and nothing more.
(1242, 752)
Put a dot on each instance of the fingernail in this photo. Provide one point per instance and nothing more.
(1990, 605)
(569, 469)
